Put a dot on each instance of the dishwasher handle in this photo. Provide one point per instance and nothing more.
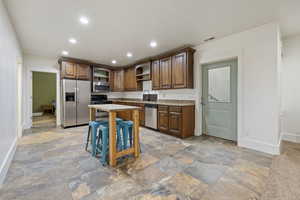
(151, 105)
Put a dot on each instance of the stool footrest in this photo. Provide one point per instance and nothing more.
(125, 152)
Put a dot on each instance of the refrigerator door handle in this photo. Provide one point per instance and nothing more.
(75, 89)
(78, 95)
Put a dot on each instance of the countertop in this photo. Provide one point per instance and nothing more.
(158, 102)
(113, 107)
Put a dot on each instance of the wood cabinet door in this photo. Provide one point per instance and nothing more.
(118, 81)
(133, 79)
(126, 79)
(179, 71)
(155, 74)
(165, 74)
(130, 83)
(163, 118)
(175, 123)
(68, 70)
(83, 72)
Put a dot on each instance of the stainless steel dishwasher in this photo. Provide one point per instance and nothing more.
(151, 116)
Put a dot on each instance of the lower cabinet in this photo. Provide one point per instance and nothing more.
(163, 118)
(177, 121)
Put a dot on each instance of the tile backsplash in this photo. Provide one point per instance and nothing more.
(176, 94)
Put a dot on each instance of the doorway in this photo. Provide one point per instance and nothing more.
(44, 109)
(219, 99)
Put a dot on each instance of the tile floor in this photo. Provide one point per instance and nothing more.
(46, 120)
(52, 164)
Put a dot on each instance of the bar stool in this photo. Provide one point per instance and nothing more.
(126, 127)
(93, 129)
(93, 125)
(103, 141)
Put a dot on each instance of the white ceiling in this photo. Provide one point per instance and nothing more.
(119, 26)
(290, 17)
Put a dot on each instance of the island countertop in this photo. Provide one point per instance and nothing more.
(113, 107)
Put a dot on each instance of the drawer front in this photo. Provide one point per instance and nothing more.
(163, 108)
(177, 109)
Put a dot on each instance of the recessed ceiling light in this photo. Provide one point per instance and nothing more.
(84, 20)
(129, 55)
(72, 40)
(113, 61)
(153, 44)
(65, 53)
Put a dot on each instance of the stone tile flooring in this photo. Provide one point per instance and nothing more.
(46, 120)
(52, 164)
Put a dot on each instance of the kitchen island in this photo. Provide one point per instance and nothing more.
(112, 109)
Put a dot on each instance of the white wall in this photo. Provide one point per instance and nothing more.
(258, 83)
(291, 89)
(40, 64)
(10, 67)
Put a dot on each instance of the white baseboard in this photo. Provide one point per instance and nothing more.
(197, 133)
(37, 114)
(20, 131)
(260, 146)
(7, 161)
(27, 126)
(291, 137)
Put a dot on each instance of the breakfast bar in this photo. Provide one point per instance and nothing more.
(113, 109)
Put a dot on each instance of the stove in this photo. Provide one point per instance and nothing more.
(100, 99)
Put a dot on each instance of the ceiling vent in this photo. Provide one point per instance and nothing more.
(209, 39)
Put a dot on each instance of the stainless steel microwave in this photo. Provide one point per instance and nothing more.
(100, 86)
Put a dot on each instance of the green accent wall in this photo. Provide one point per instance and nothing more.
(43, 89)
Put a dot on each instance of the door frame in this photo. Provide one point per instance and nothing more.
(219, 57)
(58, 120)
(234, 99)
(20, 93)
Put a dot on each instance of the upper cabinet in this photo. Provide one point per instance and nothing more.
(83, 72)
(155, 75)
(179, 71)
(170, 70)
(165, 73)
(68, 70)
(130, 81)
(118, 80)
(175, 71)
(75, 71)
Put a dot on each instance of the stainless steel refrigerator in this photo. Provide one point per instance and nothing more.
(75, 100)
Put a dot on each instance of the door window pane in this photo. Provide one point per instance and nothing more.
(219, 84)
